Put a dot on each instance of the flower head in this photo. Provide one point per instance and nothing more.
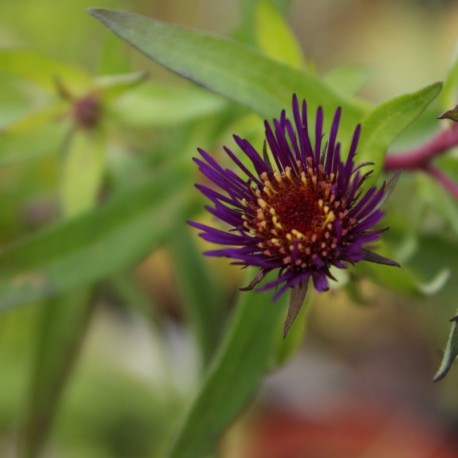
(299, 209)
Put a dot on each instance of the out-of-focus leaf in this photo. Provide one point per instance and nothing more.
(450, 91)
(64, 319)
(42, 71)
(448, 163)
(32, 138)
(436, 283)
(113, 60)
(387, 121)
(82, 171)
(450, 353)
(398, 279)
(60, 333)
(436, 253)
(233, 376)
(348, 80)
(49, 114)
(246, 32)
(275, 37)
(101, 242)
(114, 85)
(404, 280)
(202, 297)
(132, 295)
(161, 105)
(227, 67)
(439, 199)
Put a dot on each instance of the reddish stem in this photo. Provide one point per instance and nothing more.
(419, 158)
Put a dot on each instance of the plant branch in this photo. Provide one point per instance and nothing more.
(420, 157)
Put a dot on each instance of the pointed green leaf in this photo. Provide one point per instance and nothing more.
(82, 171)
(112, 86)
(42, 71)
(287, 346)
(61, 329)
(387, 121)
(439, 199)
(450, 353)
(162, 105)
(227, 67)
(275, 37)
(33, 136)
(233, 376)
(405, 279)
(349, 79)
(450, 91)
(98, 243)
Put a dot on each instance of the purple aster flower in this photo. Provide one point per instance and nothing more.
(299, 209)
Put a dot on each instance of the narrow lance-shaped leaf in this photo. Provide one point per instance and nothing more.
(96, 244)
(286, 346)
(34, 135)
(60, 333)
(163, 105)
(201, 296)
(227, 67)
(296, 301)
(450, 353)
(233, 376)
(112, 86)
(348, 79)
(450, 91)
(387, 121)
(82, 171)
(42, 71)
(64, 319)
(275, 37)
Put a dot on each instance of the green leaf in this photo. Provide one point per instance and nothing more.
(233, 376)
(449, 94)
(387, 121)
(287, 346)
(275, 37)
(82, 171)
(33, 136)
(202, 297)
(163, 105)
(439, 199)
(404, 280)
(227, 67)
(112, 86)
(450, 353)
(98, 243)
(61, 329)
(349, 79)
(42, 71)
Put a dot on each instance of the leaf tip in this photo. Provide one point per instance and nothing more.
(440, 374)
(94, 11)
(297, 297)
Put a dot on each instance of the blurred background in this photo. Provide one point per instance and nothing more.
(360, 385)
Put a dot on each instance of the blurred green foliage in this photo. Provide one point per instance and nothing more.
(96, 177)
